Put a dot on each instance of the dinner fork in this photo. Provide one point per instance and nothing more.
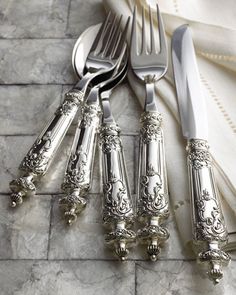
(37, 161)
(78, 175)
(118, 209)
(150, 65)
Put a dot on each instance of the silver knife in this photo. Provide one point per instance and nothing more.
(208, 226)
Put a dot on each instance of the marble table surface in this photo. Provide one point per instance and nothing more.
(38, 253)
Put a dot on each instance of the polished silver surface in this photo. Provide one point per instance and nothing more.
(192, 107)
(208, 226)
(101, 61)
(150, 65)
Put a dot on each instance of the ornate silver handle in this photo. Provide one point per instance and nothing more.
(78, 175)
(209, 230)
(153, 207)
(38, 159)
(118, 212)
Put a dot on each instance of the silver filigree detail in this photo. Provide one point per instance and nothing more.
(199, 155)
(20, 188)
(151, 127)
(109, 138)
(73, 98)
(117, 204)
(210, 225)
(76, 171)
(36, 161)
(90, 115)
(72, 205)
(154, 203)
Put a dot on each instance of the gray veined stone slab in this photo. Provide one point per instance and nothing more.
(83, 14)
(24, 231)
(35, 61)
(25, 109)
(33, 19)
(84, 239)
(66, 277)
(181, 278)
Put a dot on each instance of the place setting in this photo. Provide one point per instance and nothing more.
(134, 47)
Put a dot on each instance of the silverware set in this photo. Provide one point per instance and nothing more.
(100, 67)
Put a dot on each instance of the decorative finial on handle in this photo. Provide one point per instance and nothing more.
(215, 259)
(21, 187)
(121, 239)
(153, 235)
(72, 205)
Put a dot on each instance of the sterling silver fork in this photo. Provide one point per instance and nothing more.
(150, 65)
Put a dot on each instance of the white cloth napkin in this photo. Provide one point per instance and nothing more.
(213, 26)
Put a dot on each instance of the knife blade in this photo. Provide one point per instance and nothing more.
(190, 96)
(208, 226)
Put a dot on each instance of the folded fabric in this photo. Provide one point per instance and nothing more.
(213, 27)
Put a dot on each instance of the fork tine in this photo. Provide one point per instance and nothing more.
(121, 44)
(134, 39)
(114, 39)
(144, 39)
(163, 46)
(109, 39)
(100, 34)
(152, 37)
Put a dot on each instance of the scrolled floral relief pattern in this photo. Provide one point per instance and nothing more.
(154, 202)
(36, 160)
(210, 225)
(117, 204)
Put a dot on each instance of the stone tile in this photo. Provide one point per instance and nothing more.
(25, 109)
(14, 148)
(180, 277)
(33, 19)
(85, 238)
(36, 61)
(84, 14)
(82, 240)
(24, 231)
(66, 277)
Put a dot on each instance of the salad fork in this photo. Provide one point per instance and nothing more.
(150, 65)
(37, 161)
